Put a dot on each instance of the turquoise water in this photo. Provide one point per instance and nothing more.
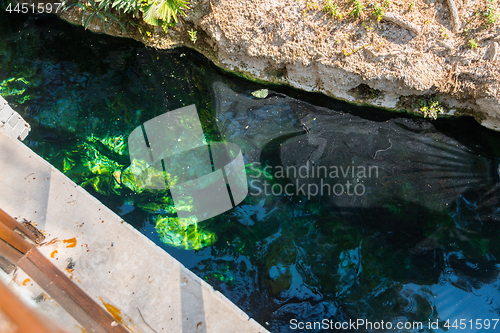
(415, 241)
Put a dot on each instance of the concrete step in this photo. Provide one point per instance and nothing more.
(11, 123)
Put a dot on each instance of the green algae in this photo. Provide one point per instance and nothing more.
(89, 167)
(15, 87)
(138, 173)
(183, 233)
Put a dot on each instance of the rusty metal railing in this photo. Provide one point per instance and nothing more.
(18, 248)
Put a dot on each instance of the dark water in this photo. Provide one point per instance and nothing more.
(411, 235)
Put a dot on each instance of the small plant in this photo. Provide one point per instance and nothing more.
(313, 5)
(431, 108)
(387, 4)
(358, 8)
(491, 14)
(166, 25)
(444, 33)
(378, 11)
(368, 26)
(472, 43)
(192, 35)
(412, 5)
(332, 9)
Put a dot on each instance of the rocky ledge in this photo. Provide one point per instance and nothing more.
(402, 57)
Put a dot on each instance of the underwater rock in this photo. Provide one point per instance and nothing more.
(348, 160)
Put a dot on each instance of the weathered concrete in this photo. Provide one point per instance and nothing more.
(143, 286)
(11, 123)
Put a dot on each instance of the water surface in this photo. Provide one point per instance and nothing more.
(413, 238)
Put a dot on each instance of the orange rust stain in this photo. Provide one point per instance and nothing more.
(70, 271)
(25, 282)
(117, 314)
(53, 253)
(71, 242)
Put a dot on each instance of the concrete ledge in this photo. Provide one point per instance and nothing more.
(11, 123)
(140, 284)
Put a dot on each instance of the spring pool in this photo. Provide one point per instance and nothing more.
(353, 213)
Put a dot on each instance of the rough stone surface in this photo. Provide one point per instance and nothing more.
(295, 42)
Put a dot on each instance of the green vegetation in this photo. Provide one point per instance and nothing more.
(181, 233)
(378, 11)
(101, 10)
(332, 9)
(192, 36)
(125, 6)
(491, 14)
(95, 163)
(313, 5)
(15, 87)
(472, 44)
(161, 12)
(430, 108)
(155, 12)
(358, 9)
(412, 5)
(444, 33)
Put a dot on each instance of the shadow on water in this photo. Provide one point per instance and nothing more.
(418, 244)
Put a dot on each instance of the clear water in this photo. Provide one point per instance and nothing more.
(420, 243)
